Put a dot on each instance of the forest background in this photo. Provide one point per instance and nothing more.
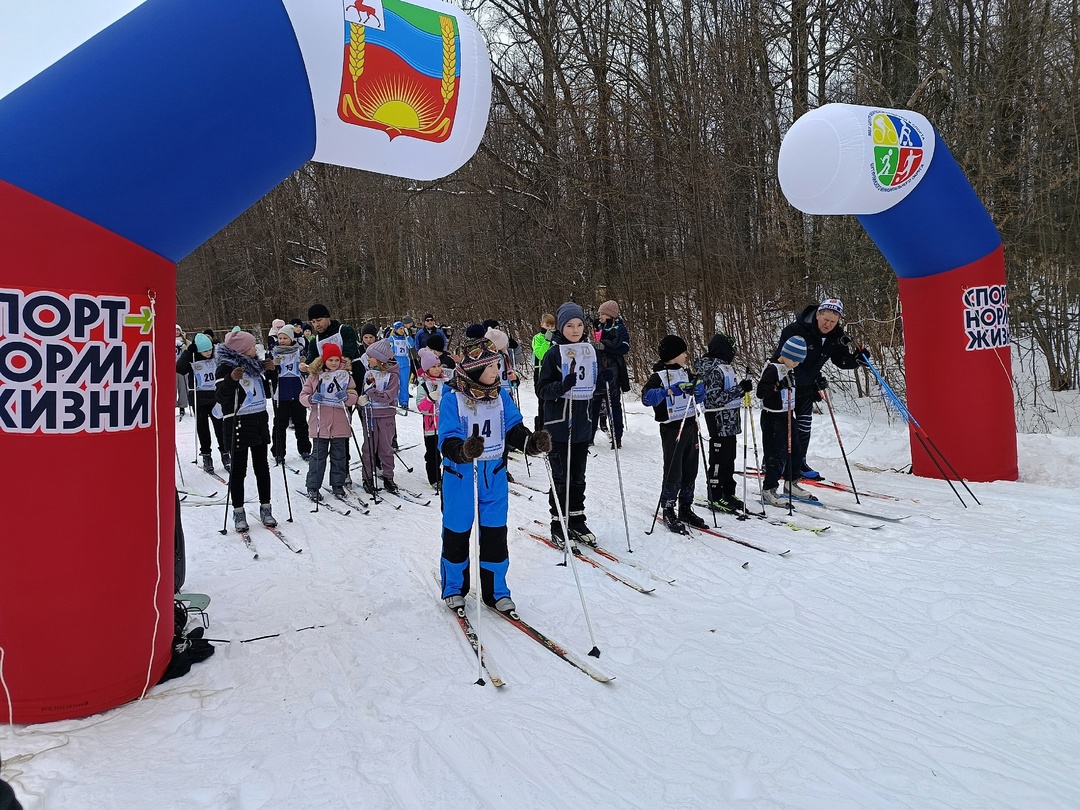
(631, 154)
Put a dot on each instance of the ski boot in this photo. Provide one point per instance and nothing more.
(557, 535)
(505, 605)
(339, 492)
(581, 532)
(797, 491)
(240, 519)
(305, 457)
(279, 461)
(207, 462)
(313, 494)
(806, 472)
(772, 497)
(389, 485)
(455, 601)
(671, 520)
(687, 516)
(266, 516)
(226, 461)
(369, 486)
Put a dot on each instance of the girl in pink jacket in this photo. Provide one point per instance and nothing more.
(328, 391)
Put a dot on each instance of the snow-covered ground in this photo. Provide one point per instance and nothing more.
(931, 663)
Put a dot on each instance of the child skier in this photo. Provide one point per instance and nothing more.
(429, 395)
(613, 344)
(776, 390)
(381, 385)
(328, 391)
(723, 402)
(403, 345)
(568, 379)
(541, 342)
(674, 396)
(241, 394)
(198, 360)
(477, 419)
(286, 356)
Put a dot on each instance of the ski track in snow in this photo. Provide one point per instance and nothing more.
(927, 664)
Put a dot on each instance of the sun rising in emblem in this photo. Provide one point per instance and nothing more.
(400, 104)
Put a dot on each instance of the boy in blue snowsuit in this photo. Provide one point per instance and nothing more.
(404, 346)
(477, 421)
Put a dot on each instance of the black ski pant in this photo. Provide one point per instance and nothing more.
(203, 420)
(722, 452)
(615, 414)
(285, 411)
(574, 511)
(774, 447)
(259, 465)
(680, 462)
(800, 433)
(432, 458)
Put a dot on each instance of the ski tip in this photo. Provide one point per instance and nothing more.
(784, 553)
(595, 652)
(746, 564)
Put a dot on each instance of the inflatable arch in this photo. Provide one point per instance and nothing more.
(115, 163)
(894, 172)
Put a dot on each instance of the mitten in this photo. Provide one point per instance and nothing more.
(607, 375)
(473, 447)
(746, 385)
(538, 443)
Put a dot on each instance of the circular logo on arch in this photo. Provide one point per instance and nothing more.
(899, 150)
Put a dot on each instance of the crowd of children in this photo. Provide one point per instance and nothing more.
(318, 375)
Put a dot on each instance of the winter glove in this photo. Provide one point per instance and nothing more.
(746, 385)
(821, 383)
(237, 373)
(570, 380)
(607, 375)
(783, 383)
(514, 384)
(268, 365)
(863, 355)
(362, 401)
(699, 392)
(538, 443)
(473, 446)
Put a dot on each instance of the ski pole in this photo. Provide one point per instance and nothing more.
(667, 469)
(757, 459)
(704, 463)
(195, 416)
(352, 432)
(920, 434)
(618, 472)
(474, 553)
(315, 448)
(399, 458)
(745, 446)
(180, 466)
(288, 498)
(232, 458)
(790, 465)
(595, 651)
(569, 453)
(832, 414)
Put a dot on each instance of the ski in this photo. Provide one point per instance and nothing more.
(552, 645)
(358, 504)
(794, 525)
(274, 530)
(186, 492)
(245, 535)
(293, 470)
(599, 566)
(401, 493)
(324, 505)
(612, 557)
(851, 511)
(474, 640)
(516, 483)
(214, 475)
(748, 544)
(822, 483)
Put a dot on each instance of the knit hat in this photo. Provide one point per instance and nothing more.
(398, 325)
(328, 350)
(369, 329)
(318, 311)
(288, 331)
(671, 346)
(240, 342)
(275, 327)
(479, 352)
(794, 349)
(499, 338)
(408, 320)
(436, 343)
(608, 309)
(429, 316)
(305, 326)
(722, 348)
(490, 323)
(203, 343)
(832, 305)
(566, 313)
(428, 358)
(381, 350)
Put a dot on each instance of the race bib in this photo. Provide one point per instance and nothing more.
(582, 357)
(678, 407)
(488, 418)
(205, 374)
(254, 395)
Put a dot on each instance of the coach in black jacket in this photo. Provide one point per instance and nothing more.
(819, 326)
